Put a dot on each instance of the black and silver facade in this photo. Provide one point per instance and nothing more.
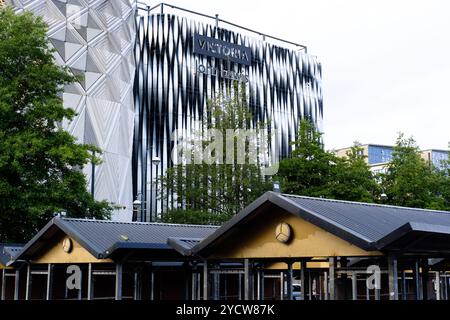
(175, 78)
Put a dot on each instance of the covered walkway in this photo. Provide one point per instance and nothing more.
(279, 247)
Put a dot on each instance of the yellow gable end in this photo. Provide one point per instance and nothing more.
(56, 254)
(257, 239)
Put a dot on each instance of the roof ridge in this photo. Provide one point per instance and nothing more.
(364, 203)
(138, 222)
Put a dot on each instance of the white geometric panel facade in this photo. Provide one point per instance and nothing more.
(95, 39)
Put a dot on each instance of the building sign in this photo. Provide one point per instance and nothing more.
(221, 72)
(221, 49)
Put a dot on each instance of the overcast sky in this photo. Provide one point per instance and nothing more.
(386, 64)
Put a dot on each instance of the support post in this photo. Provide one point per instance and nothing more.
(135, 286)
(240, 287)
(393, 278)
(289, 280)
(445, 279)
(261, 284)
(28, 284)
(152, 285)
(332, 266)
(354, 286)
(247, 280)
(90, 291)
(3, 284)
(205, 280)
(194, 285)
(215, 285)
(188, 283)
(302, 280)
(16, 285)
(48, 295)
(404, 288)
(437, 285)
(425, 269)
(80, 291)
(417, 280)
(325, 285)
(119, 270)
(282, 285)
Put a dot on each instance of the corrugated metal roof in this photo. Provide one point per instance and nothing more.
(183, 245)
(103, 234)
(102, 237)
(8, 252)
(372, 221)
(369, 226)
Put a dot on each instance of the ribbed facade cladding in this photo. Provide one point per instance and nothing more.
(95, 39)
(284, 86)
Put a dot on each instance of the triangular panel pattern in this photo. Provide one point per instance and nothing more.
(95, 39)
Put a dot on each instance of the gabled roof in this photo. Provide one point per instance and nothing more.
(8, 251)
(368, 226)
(103, 237)
(183, 245)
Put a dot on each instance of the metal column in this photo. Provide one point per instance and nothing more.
(332, 266)
(261, 284)
(325, 285)
(437, 285)
(393, 278)
(289, 280)
(28, 284)
(152, 285)
(425, 269)
(404, 286)
(247, 280)
(119, 271)
(205, 280)
(48, 295)
(417, 280)
(3, 284)
(302, 280)
(354, 286)
(16, 285)
(90, 289)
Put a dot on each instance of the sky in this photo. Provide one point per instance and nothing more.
(386, 64)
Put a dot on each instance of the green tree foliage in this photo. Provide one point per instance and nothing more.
(353, 180)
(410, 181)
(313, 171)
(39, 162)
(213, 189)
(309, 169)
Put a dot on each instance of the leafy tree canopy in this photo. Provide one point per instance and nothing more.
(410, 181)
(40, 163)
(205, 182)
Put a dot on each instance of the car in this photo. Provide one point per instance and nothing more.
(296, 292)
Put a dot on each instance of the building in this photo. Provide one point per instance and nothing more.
(185, 58)
(332, 250)
(95, 39)
(378, 156)
(435, 157)
(139, 87)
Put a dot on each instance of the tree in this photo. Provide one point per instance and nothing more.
(410, 181)
(353, 180)
(39, 162)
(206, 184)
(309, 168)
(313, 171)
